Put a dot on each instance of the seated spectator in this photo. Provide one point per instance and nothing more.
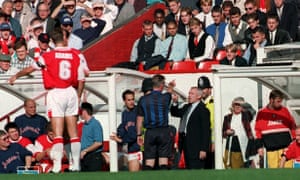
(13, 132)
(253, 22)
(30, 123)
(259, 40)
(200, 44)
(43, 46)
(287, 15)
(66, 23)
(88, 33)
(68, 8)
(292, 151)
(251, 8)
(20, 59)
(107, 13)
(174, 48)
(237, 27)
(43, 145)
(275, 35)
(7, 8)
(205, 15)
(232, 58)
(218, 29)
(185, 17)
(145, 47)
(159, 25)
(22, 13)
(44, 12)
(237, 131)
(5, 67)
(91, 140)
(226, 7)
(126, 11)
(33, 32)
(7, 38)
(12, 155)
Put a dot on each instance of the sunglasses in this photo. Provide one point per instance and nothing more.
(236, 104)
(250, 8)
(4, 138)
(66, 25)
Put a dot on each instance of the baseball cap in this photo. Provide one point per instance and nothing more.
(85, 17)
(203, 82)
(66, 20)
(147, 85)
(5, 57)
(44, 38)
(4, 26)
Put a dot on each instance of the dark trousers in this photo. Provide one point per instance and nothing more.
(92, 162)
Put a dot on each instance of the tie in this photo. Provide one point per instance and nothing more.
(204, 21)
(182, 124)
(196, 41)
(170, 48)
(217, 34)
(279, 12)
(271, 38)
(177, 19)
(162, 36)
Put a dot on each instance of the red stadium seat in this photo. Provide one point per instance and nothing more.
(206, 65)
(184, 65)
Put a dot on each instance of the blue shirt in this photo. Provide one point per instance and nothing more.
(91, 132)
(127, 129)
(211, 30)
(13, 157)
(154, 107)
(31, 126)
(179, 47)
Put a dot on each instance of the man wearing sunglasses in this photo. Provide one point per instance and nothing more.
(250, 8)
(12, 155)
(66, 23)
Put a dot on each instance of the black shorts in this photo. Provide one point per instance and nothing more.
(158, 143)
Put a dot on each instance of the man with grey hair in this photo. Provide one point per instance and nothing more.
(194, 126)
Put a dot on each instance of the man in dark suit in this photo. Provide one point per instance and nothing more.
(232, 58)
(287, 14)
(194, 127)
(275, 35)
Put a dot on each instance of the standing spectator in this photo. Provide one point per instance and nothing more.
(153, 110)
(205, 15)
(30, 123)
(195, 126)
(259, 40)
(232, 58)
(292, 151)
(33, 31)
(63, 94)
(12, 155)
(66, 23)
(200, 44)
(237, 131)
(287, 14)
(88, 33)
(7, 8)
(207, 98)
(251, 8)
(159, 25)
(21, 59)
(127, 132)
(23, 14)
(7, 38)
(91, 140)
(237, 27)
(43, 12)
(13, 132)
(5, 67)
(174, 48)
(126, 11)
(106, 12)
(275, 35)
(218, 29)
(275, 129)
(185, 16)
